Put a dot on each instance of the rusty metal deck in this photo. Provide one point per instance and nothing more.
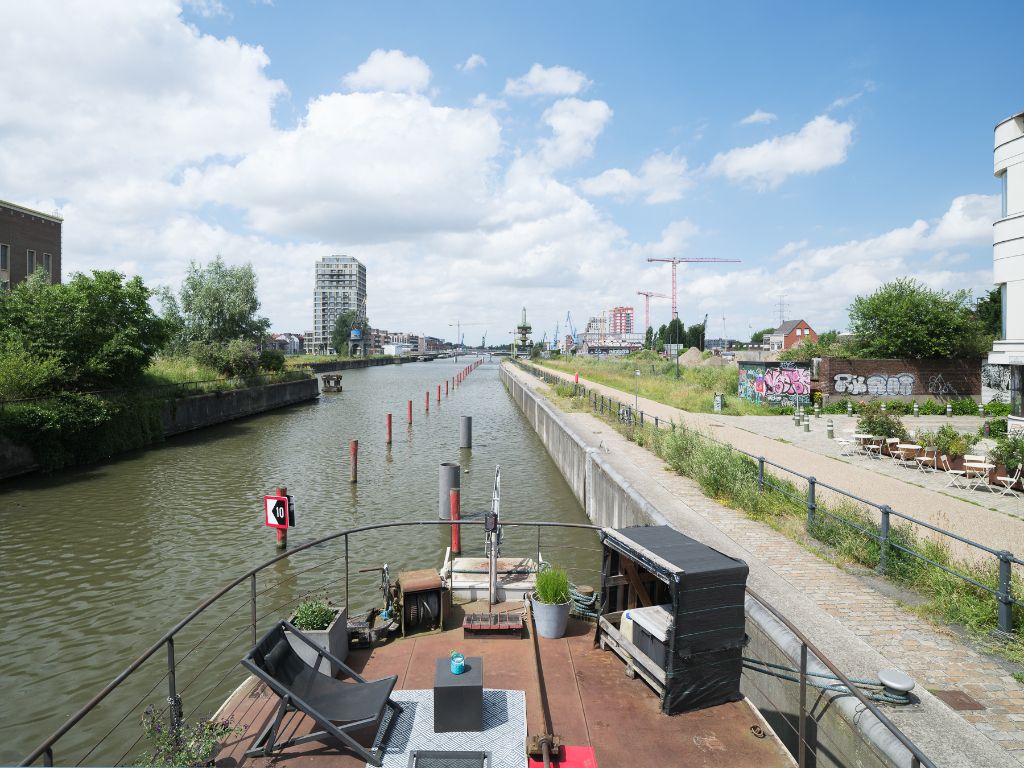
(591, 701)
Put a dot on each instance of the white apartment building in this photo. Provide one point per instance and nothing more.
(340, 287)
(1008, 256)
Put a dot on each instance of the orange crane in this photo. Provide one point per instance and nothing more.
(675, 261)
(647, 305)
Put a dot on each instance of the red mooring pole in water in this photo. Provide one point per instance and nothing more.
(427, 401)
(446, 387)
(439, 393)
(410, 413)
(389, 429)
(282, 533)
(353, 454)
(454, 501)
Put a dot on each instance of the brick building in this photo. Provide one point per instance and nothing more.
(905, 379)
(789, 334)
(28, 240)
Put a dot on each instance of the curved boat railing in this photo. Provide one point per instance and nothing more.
(46, 749)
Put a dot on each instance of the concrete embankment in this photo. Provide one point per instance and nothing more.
(620, 484)
(349, 363)
(184, 414)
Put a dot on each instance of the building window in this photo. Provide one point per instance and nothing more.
(5, 256)
(1002, 184)
(47, 262)
(30, 262)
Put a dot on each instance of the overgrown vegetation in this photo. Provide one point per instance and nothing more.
(948, 440)
(190, 744)
(731, 478)
(874, 421)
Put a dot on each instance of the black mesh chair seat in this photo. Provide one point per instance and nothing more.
(337, 706)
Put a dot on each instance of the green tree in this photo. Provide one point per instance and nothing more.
(989, 310)
(649, 338)
(695, 335)
(342, 331)
(675, 333)
(757, 337)
(662, 334)
(92, 332)
(216, 304)
(905, 318)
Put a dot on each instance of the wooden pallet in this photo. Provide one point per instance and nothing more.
(485, 624)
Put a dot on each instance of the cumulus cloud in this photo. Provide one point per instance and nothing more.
(663, 178)
(757, 116)
(575, 126)
(547, 81)
(821, 143)
(475, 60)
(389, 71)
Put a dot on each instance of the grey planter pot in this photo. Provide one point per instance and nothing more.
(551, 619)
(334, 639)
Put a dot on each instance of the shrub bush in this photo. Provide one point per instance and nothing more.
(1009, 451)
(272, 360)
(238, 357)
(996, 428)
(874, 421)
(995, 408)
(899, 407)
(948, 440)
(931, 408)
(836, 407)
(965, 406)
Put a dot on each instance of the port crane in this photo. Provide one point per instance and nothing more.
(676, 261)
(647, 305)
(457, 325)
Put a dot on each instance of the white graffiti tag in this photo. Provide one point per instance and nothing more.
(849, 383)
(883, 384)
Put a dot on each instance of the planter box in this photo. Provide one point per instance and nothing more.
(334, 639)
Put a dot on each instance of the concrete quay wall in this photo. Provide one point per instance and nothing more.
(197, 411)
(841, 734)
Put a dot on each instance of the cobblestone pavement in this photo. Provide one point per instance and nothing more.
(976, 515)
(934, 656)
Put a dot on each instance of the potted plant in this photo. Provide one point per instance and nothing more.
(325, 625)
(551, 600)
(190, 744)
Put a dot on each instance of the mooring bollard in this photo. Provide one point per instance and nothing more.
(389, 430)
(455, 514)
(353, 454)
(830, 430)
(449, 477)
(466, 432)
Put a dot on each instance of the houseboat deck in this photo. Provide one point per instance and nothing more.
(590, 700)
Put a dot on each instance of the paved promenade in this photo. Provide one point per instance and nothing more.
(854, 624)
(978, 515)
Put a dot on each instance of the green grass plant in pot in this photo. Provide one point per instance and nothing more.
(324, 624)
(551, 601)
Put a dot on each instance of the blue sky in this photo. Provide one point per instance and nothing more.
(481, 157)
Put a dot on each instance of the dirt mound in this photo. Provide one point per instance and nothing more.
(692, 356)
(715, 361)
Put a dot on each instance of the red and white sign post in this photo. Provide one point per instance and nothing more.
(279, 513)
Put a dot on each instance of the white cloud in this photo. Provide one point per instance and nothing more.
(475, 60)
(845, 101)
(663, 178)
(547, 81)
(757, 116)
(207, 8)
(968, 221)
(389, 71)
(821, 143)
(791, 248)
(575, 126)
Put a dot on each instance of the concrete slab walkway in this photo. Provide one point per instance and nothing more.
(852, 622)
(906, 491)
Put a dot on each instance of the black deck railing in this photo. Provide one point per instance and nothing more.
(245, 633)
(1003, 593)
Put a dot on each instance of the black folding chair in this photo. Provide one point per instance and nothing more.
(338, 707)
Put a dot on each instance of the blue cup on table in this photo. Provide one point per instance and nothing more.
(458, 663)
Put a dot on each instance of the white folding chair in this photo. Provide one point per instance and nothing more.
(976, 477)
(846, 447)
(1009, 482)
(956, 476)
(894, 453)
(873, 448)
(925, 461)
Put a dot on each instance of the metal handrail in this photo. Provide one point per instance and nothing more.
(1004, 593)
(919, 758)
(45, 749)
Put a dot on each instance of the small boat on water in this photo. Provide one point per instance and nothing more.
(450, 668)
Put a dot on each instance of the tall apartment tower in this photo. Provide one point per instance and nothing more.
(621, 321)
(340, 287)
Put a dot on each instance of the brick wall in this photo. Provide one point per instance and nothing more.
(23, 231)
(900, 379)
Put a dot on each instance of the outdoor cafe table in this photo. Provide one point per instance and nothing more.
(979, 470)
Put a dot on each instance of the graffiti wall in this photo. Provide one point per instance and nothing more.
(867, 379)
(775, 383)
(995, 383)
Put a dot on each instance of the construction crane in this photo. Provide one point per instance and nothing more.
(647, 305)
(570, 327)
(458, 334)
(675, 261)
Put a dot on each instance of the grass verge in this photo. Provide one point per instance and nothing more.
(850, 534)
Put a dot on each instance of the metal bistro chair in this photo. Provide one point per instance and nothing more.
(927, 459)
(1009, 482)
(846, 447)
(873, 448)
(336, 706)
(956, 476)
(976, 477)
(894, 453)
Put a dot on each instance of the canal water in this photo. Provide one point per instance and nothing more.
(99, 562)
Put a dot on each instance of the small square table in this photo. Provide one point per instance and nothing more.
(459, 699)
